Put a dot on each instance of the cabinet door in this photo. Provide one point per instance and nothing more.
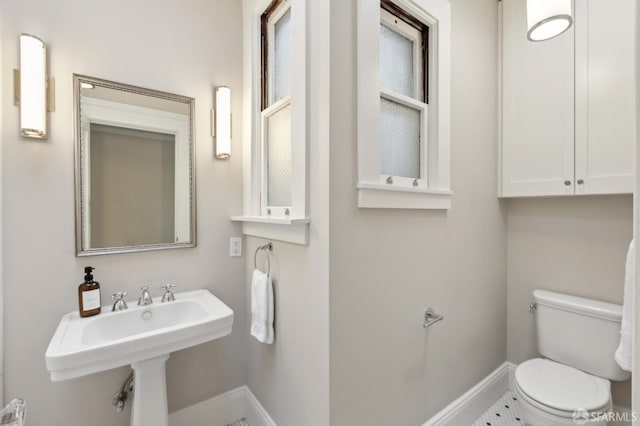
(537, 151)
(605, 96)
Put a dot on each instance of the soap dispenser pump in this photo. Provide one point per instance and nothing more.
(89, 295)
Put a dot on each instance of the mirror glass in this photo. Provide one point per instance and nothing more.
(134, 168)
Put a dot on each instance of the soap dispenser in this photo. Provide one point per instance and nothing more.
(89, 295)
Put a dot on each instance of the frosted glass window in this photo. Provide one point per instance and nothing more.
(282, 60)
(399, 139)
(278, 161)
(396, 62)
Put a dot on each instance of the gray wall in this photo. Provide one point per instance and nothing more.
(165, 46)
(573, 245)
(291, 376)
(387, 266)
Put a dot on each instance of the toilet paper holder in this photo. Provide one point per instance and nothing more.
(430, 317)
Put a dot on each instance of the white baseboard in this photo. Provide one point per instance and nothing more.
(466, 409)
(222, 410)
(240, 403)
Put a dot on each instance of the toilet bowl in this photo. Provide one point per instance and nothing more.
(577, 338)
(553, 394)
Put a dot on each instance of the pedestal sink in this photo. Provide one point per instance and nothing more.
(141, 336)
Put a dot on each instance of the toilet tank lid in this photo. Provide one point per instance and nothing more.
(590, 307)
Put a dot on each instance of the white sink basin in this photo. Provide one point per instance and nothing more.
(142, 336)
(82, 346)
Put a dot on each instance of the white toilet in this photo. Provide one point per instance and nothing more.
(578, 338)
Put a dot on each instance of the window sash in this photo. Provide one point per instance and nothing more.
(270, 19)
(423, 108)
(265, 208)
(398, 25)
(271, 54)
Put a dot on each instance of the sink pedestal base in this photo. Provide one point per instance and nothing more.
(150, 393)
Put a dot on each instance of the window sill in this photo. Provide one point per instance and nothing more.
(374, 195)
(293, 230)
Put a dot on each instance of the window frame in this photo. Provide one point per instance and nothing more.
(395, 19)
(294, 226)
(375, 190)
(269, 104)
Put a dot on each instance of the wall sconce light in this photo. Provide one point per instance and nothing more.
(33, 89)
(221, 123)
(547, 18)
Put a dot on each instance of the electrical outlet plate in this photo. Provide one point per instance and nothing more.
(235, 247)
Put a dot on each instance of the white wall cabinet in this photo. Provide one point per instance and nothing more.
(568, 109)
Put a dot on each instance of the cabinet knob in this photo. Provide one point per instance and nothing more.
(580, 181)
(567, 183)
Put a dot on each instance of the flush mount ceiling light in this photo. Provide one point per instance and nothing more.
(221, 123)
(33, 89)
(547, 18)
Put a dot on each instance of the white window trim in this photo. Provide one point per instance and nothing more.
(433, 191)
(292, 228)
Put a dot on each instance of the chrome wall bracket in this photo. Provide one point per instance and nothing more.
(267, 248)
(430, 318)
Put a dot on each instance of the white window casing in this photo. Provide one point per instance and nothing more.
(286, 223)
(432, 189)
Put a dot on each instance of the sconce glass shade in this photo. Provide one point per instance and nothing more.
(547, 18)
(33, 87)
(223, 122)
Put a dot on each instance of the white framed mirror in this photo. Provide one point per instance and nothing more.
(134, 169)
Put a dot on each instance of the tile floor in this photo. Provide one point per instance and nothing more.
(505, 412)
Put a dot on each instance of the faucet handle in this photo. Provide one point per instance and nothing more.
(119, 295)
(168, 295)
(118, 301)
(145, 297)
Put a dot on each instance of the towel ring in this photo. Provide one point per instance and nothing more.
(268, 248)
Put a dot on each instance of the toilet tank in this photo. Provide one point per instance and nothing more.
(582, 333)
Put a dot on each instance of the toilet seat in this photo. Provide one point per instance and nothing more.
(559, 389)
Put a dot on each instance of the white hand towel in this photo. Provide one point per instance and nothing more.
(262, 307)
(623, 354)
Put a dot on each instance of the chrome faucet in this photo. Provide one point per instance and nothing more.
(14, 413)
(145, 297)
(168, 295)
(118, 301)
